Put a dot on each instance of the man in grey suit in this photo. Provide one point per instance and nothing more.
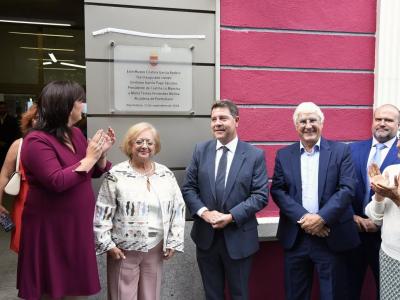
(225, 185)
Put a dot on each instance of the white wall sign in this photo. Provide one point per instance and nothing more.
(152, 79)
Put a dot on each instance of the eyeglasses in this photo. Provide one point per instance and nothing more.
(140, 142)
(303, 122)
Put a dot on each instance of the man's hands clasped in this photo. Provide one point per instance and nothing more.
(217, 219)
(313, 224)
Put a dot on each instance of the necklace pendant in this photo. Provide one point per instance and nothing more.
(148, 183)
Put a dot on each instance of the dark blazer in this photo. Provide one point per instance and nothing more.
(246, 192)
(336, 187)
(360, 153)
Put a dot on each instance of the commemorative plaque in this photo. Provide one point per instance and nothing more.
(152, 79)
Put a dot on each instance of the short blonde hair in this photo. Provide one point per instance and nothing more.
(132, 134)
(307, 107)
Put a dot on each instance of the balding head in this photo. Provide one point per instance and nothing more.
(385, 123)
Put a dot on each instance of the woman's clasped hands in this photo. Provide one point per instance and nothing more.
(116, 253)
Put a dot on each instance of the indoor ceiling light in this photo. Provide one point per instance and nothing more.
(48, 49)
(53, 58)
(73, 65)
(60, 69)
(42, 34)
(48, 59)
(35, 23)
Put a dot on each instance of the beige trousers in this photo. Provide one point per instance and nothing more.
(138, 277)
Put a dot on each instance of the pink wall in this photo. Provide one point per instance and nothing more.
(324, 15)
(276, 54)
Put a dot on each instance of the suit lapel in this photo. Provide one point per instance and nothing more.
(237, 162)
(391, 158)
(324, 157)
(211, 162)
(296, 168)
(364, 155)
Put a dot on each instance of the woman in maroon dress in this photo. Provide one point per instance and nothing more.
(57, 257)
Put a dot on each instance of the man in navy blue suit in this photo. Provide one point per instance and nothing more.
(313, 185)
(225, 185)
(385, 125)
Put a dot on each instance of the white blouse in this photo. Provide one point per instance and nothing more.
(155, 224)
(124, 217)
(387, 214)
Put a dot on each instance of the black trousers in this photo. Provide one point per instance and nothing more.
(312, 253)
(358, 260)
(216, 267)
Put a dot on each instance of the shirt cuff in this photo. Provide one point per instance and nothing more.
(378, 206)
(201, 210)
(302, 217)
(322, 219)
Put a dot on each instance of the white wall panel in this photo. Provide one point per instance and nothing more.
(387, 63)
(148, 21)
(208, 5)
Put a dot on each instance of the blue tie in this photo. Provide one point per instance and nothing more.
(220, 179)
(377, 159)
(378, 154)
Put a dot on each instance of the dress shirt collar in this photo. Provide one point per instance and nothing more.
(388, 144)
(316, 147)
(231, 145)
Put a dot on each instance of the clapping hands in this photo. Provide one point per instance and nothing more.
(96, 150)
(375, 176)
(100, 143)
(109, 140)
(380, 184)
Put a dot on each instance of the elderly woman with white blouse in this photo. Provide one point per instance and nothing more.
(384, 210)
(139, 219)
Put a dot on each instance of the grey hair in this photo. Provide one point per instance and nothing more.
(307, 107)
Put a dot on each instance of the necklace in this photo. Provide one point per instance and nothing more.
(144, 173)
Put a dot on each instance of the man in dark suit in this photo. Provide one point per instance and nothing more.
(313, 185)
(225, 185)
(385, 125)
